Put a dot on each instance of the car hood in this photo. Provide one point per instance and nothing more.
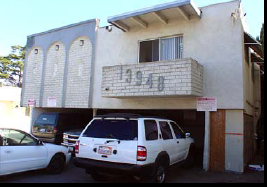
(56, 148)
(75, 132)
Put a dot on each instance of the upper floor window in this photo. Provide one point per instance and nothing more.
(161, 49)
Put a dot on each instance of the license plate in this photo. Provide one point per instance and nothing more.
(105, 150)
(71, 149)
(42, 130)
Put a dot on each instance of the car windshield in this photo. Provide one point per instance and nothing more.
(113, 129)
(45, 119)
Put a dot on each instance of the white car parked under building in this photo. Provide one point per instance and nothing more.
(21, 152)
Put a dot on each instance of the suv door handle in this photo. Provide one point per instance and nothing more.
(83, 144)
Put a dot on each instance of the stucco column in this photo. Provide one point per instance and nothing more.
(206, 159)
(234, 148)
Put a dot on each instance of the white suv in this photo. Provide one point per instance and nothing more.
(119, 144)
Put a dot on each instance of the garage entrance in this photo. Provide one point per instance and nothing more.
(190, 121)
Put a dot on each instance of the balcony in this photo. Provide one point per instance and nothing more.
(176, 78)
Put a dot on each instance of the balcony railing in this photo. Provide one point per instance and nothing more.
(154, 79)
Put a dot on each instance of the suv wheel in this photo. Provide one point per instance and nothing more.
(97, 177)
(160, 176)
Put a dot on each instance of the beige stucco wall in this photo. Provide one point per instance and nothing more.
(11, 114)
(257, 92)
(214, 41)
(248, 87)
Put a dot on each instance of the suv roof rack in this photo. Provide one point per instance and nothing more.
(126, 116)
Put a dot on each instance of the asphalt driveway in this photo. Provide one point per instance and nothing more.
(176, 175)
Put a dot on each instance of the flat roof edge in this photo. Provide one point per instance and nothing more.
(252, 38)
(62, 28)
(154, 9)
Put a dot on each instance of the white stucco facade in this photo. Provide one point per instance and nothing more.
(98, 68)
(213, 41)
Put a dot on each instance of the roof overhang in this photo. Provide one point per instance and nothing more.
(258, 60)
(253, 44)
(185, 9)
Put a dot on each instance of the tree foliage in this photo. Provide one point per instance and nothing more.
(261, 37)
(11, 66)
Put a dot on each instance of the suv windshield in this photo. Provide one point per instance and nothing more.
(46, 120)
(113, 129)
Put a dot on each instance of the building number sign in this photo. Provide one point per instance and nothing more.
(138, 77)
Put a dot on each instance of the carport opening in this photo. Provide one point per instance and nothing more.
(60, 121)
(190, 121)
(88, 113)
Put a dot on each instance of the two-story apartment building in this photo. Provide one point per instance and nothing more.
(157, 61)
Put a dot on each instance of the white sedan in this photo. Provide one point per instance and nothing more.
(21, 152)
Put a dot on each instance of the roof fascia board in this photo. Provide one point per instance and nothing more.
(196, 9)
(253, 39)
(154, 9)
(256, 46)
(62, 28)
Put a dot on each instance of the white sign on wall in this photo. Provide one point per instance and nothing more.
(32, 103)
(207, 104)
(51, 102)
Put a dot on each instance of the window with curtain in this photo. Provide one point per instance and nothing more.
(161, 49)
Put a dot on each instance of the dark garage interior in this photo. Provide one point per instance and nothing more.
(190, 121)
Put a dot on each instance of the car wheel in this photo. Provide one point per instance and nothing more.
(56, 165)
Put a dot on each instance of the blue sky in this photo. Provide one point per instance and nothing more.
(20, 18)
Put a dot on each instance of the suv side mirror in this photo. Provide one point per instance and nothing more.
(187, 135)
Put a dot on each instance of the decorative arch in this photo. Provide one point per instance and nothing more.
(54, 74)
(79, 73)
(33, 75)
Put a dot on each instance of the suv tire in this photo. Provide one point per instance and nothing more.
(98, 177)
(190, 160)
(160, 173)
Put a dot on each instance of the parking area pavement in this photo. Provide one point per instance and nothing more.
(176, 175)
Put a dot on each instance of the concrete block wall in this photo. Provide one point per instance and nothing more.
(54, 75)
(33, 72)
(63, 75)
(157, 79)
(79, 73)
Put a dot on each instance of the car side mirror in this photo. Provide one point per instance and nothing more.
(187, 135)
(40, 143)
